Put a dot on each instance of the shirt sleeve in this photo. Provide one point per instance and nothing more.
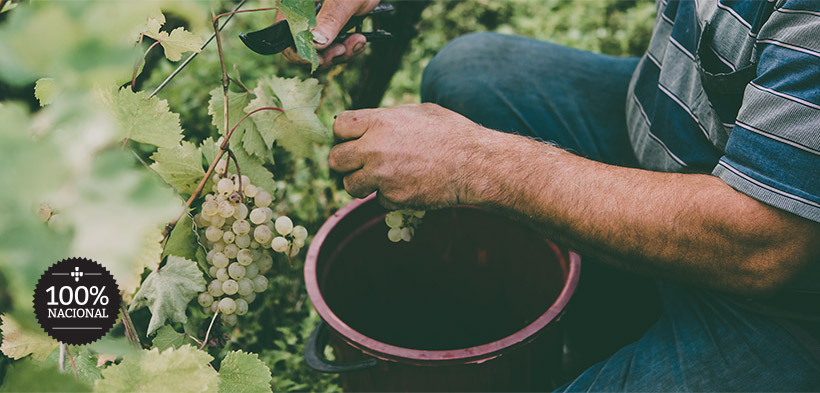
(773, 152)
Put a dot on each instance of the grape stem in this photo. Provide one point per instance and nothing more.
(227, 163)
(130, 329)
(208, 332)
(73, 366)
(225, 81)
(238, 173)
(238, 83)
(141, 61)
(193, 338)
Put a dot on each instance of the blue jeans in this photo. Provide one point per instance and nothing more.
(700, 341)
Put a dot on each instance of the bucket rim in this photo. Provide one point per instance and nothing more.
(475, 354)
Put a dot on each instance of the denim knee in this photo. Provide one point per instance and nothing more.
(444, 76)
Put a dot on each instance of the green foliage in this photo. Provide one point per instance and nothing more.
(143, 119)
(167, 337)
(181, 238)
(298, 128)
(109, 206)
(613, 27)
(180, 370)
(167, 291)
(18, 343)
(46, 90)
(175, 43)
(180, 166)
(242, 372)
(28, 376)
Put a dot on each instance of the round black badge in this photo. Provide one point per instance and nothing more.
(76, 301)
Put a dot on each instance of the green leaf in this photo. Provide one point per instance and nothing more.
(256, 146)
(8, 7)
(250, 166)
(182, 241)
(18, 343)
(28, 376)
(181, 370)
(180, 166)
(167, 337)
(85, 362)
(46, 90)
(236, 105)
(143, 119)
(167, 291)
(176, 43)
(242, 372)
(245, 132)
(298, 128)
(301, 16)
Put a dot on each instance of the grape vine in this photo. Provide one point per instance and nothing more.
(219, 248)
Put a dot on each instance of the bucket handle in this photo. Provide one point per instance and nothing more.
(315, 354)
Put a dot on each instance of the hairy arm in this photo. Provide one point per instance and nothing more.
(686, 227)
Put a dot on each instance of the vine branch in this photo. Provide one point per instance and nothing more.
(73, 366)
(130, 330)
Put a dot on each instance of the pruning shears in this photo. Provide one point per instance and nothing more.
(277, 37)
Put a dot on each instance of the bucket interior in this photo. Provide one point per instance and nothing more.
(468, 278)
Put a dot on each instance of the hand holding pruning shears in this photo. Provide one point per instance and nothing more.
(332, 35)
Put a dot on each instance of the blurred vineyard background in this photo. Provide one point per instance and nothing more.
(279, 325)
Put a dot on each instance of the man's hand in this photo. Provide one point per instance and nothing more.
(329, 22)
(413, 155)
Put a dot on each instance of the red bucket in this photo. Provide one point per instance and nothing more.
(471, 304)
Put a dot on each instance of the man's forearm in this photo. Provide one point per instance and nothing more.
(687, 227)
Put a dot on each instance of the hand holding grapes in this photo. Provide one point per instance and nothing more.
(413, 155)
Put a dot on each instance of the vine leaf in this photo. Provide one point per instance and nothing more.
(167, 291)
(167, 337)
(180, 166)
(250, 166)
(180, 370)
(255, 145)
(46, 90)
(243, 372)
(18, 343)
(177, 42)
(143, 119)
(246, 132)
(8, 7)
(150, 251)
(298, 128)
(85, 362)
(183, 241)
(236, 103)
(301, 16)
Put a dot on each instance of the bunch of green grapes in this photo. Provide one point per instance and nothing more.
(403, 224)
(241, 234)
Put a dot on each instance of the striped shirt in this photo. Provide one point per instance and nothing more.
(732, 88)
